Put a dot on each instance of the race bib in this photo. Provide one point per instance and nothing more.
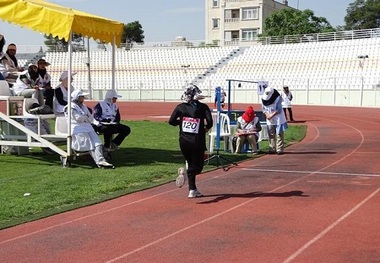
(190, 125)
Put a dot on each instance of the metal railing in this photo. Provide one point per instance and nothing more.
(304, 38)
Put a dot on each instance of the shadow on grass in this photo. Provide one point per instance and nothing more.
(124, 157)
(221, 197)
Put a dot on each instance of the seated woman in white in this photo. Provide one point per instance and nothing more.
(9, 67)
(84, 137)
(61, 92)
(27, 85)
(247, 128)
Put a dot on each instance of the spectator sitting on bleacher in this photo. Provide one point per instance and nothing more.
(61, 92)
(84, 137)
(27, 85)
(247, 128)
(107, 115)
(44, 82)
(9, 65)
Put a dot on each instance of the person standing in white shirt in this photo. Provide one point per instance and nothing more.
(287, 98)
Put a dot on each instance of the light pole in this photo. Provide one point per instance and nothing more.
(361, 65)
(185, 68)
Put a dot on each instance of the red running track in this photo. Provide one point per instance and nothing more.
(319, 202)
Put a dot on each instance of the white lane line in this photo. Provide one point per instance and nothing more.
(158, 117)
(198, 223)
(101, 212)
(307, 172)
(87, 216)
(240, 205)
(184, 229)
(324, 232)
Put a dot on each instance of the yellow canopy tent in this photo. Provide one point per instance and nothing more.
(59, 21)
(62, 22)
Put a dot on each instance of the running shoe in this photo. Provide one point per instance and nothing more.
(181, 178)
(194, 194)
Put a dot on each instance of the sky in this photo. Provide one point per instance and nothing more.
(163, 20)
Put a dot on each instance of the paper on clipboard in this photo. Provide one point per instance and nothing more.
(108, 123)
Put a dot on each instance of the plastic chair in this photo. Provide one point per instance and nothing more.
(225, 132)
(7, 96)
(61, 126)
(4, 88)
(28, 102)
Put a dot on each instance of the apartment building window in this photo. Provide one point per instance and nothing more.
(250, 13)
(215, 3)
(231, 35)
(249, 34)
(215, 23)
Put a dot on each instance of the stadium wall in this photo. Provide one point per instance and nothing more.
(342, 71)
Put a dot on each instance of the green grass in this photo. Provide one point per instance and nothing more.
(149, 157)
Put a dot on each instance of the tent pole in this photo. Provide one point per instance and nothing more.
(113, 62)
(70, 51)
(88, 63)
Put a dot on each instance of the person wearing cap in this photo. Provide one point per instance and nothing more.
(107, 116)
(247, 128)
(276, 122)
(44, 82)
(194, 120)
(27, 85)
(9, 67)
(61, 92)
(287, 98)
(84, 137)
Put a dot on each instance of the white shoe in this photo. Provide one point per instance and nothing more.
(105, 164)
(181, 178)
(34, 110)
(194, 193)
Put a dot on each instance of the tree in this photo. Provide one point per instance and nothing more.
(56, 44)
(295, 22)
(363, 14)
(133, 33)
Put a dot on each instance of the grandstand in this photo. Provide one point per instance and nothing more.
(320, 69)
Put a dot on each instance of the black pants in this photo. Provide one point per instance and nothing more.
(49, 95)
(290, 113)
(195, 163)
(121, 130)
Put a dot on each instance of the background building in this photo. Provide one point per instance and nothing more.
(237, 22)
